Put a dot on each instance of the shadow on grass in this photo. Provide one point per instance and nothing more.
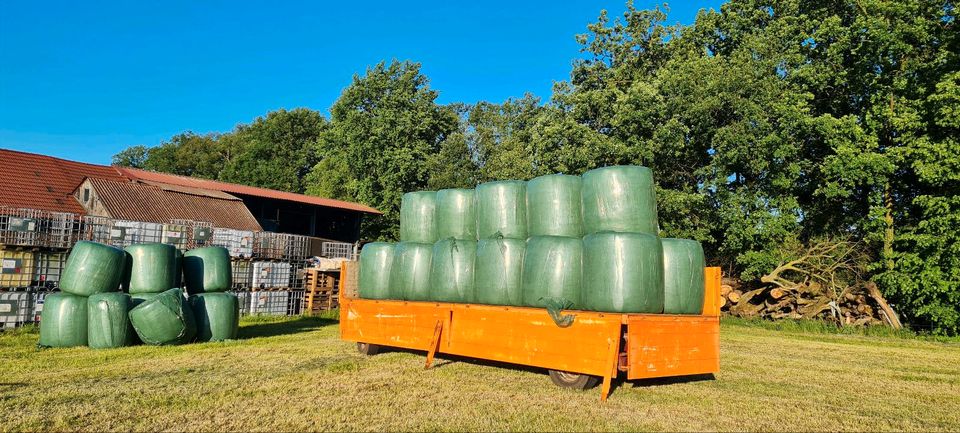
(663, 381)
(285, 327)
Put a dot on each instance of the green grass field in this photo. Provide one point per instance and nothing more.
(294, 374)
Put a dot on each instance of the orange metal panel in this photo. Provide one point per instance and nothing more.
(528, 336)
(711, 294)
(672, 345)
(408, 325)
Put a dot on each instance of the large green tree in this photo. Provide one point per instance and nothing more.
(386, 127)
(275, 151)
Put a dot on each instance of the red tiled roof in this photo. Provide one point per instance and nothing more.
(28, 180)
(43, 182)
(192, 182)
(126, 200)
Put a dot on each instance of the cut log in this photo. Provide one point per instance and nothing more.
(734, 296)
(777, 293)
(891, 316)
(724, 289)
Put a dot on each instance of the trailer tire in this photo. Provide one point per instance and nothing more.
(368, 349)
(576, 381)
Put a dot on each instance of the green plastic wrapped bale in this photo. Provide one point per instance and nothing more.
(499, 271)
(619, 199)
(418, 217)
(502, 209)
(451, 271)
(63, 322)
(552, 267)
(139, 298)
(455, 214)
(683, 279)
(92, 268)
(623, 273)
(217, 316)
(153, 268)
(553, 206)
(410, 272)
(376, 259)
(207, 270)
(108, 325)
(164, 320)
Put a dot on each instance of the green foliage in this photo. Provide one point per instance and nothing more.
(768, 124)
(276, 151)
(133, 156)
(387, 130)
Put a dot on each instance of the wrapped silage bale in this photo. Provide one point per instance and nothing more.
(139, 298)
(207, 269)
(451, 270)
(552, 268)
(553, 206)
(623, 273)
(501, 209)
(63, 322)
(217, 315)
(619, 199)
(455, 214)
(376, 259)
(165, 319)
(418, 217)
(683, 276)
(108, 325)
(92, 268)
(151, 268)
(410, 271)
(498, 273)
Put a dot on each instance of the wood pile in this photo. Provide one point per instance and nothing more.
(821, 283)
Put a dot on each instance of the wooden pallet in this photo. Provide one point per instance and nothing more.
(321, 290)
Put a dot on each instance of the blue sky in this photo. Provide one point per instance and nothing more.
(83, 80)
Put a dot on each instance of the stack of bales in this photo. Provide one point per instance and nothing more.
(588, 242)
(207, 275)
(92, 310)
(89, 310)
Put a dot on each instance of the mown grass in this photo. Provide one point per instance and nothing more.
(294, 374)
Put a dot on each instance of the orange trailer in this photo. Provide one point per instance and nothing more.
(596, 346)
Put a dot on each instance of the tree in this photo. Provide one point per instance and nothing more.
(133, 157)
(275, 151)
(386, 126)
(189, 154)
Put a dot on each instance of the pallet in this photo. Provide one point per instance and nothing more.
(321, 290)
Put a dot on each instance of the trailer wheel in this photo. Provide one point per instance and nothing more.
(368, 349)
(573, 380)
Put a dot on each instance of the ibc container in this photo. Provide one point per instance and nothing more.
(47, 269)
(418, 217)
(501, 209)
(16, 269)
(271, 275)
(619, 199)
(16, 308)
(552, 267)
(553, 206)
(272, 302)
(177, 235)
(242, 272)
(623, 273)
(238, 242)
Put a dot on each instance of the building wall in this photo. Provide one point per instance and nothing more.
(86, 195)
(298, 218)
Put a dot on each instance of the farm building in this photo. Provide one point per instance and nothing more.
(47, 204)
